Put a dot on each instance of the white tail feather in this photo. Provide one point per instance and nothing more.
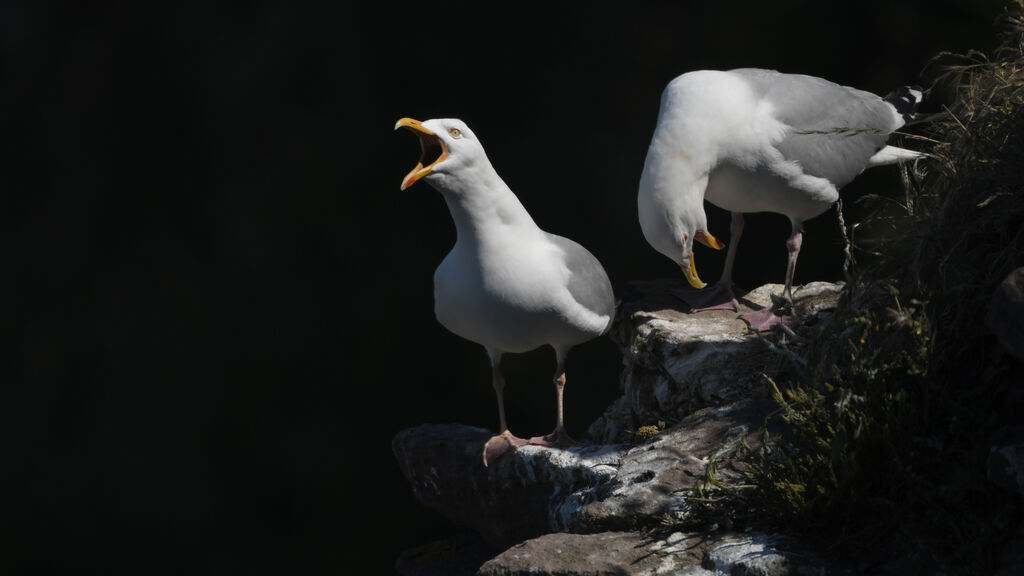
(892, 155)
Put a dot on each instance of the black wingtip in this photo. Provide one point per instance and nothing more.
(906, 99)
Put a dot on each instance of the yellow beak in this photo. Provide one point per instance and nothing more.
(691, 275)
(433, 150)
(708, 240)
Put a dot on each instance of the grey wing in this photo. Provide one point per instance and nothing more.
(588, 281)
(833, 130)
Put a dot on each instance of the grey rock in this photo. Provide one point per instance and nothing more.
(619, 553)
(1005, 316)
(676, 362)
(653, 479)
(1005, 465)
(526, 493)
(535, 490)
(590, 509)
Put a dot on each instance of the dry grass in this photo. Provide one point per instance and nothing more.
(892, 416)
(971, 224)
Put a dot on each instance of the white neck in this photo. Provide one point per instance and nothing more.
(480, 201)
(671, 176)
(672, 179)
(671, 193)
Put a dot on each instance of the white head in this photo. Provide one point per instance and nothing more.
(448, 148)
(671, 210)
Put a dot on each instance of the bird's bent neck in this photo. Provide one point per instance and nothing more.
(671, 196)
(481, 203)
(673, 175)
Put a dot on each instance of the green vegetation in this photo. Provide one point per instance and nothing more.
(890, 419)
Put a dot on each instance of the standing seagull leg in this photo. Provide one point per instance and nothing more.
(720, 296)
(763, 320)
(504, 440)
(558, 437)
(726, 298)
(793, 246)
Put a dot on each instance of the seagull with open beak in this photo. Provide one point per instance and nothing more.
(506, 284)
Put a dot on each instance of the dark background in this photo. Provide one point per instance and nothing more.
(218, 304)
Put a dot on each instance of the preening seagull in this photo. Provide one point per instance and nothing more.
(506, 284)
(753, 140)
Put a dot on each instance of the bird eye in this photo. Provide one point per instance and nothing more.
(455, 132)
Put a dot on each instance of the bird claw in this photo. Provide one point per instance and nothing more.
(498, 445)
(717, 297)
(559, 438)
(763, 320)
(781, 305)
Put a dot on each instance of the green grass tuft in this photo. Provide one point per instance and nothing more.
(891, 417)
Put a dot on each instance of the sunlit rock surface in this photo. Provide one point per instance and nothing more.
(641, 555)
(694, 384)
(676, 362)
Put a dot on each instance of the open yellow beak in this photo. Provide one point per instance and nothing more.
(708, 240)
(691, 275)
(433, 151)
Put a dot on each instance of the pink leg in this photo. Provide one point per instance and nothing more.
(720, 296)
(559, 437)
(793, 246)
(764, 319)
(504, 440)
